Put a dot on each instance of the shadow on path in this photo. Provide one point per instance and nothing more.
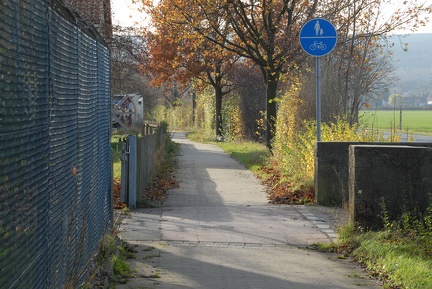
(217, 230)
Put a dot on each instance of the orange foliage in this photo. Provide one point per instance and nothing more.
(116, 186)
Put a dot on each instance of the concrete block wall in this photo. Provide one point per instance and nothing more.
(400, 176)
(331, 170)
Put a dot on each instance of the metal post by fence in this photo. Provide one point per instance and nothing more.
(132, 181)
(124, 169)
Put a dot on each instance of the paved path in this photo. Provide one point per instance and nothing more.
(217, 230)
(404, 137)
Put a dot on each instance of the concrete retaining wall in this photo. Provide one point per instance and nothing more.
(331, 170)
(399, 176)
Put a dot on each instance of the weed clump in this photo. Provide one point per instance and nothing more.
(111, 266)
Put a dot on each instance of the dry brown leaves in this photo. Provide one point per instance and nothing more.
(155, 193)
(117, 204)
(281, 191)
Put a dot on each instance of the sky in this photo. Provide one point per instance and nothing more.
(125, 14)
(422, 29)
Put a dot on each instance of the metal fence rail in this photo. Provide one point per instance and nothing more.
(55, 158)
(138, 162)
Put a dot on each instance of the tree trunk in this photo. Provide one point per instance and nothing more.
(271, 112)
(219, 127)
(353, 116)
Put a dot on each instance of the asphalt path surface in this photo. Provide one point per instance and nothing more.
(417, 137)
(218, 231)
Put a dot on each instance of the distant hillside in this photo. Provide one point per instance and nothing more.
(414, 66)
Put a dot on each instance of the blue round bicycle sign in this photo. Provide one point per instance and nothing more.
(318, 37)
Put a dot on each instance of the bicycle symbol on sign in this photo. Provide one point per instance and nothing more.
(318, 45)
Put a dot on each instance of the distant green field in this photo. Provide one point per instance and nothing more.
(416, 121)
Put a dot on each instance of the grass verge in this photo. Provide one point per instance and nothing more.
(400, 255)
(116, 150)
(251, 154)
(256, 158)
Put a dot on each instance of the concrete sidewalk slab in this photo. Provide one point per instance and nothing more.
(217, 230)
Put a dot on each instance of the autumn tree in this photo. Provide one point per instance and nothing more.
(263, 31)
(248, 84)
(266, 31)
(178, 55)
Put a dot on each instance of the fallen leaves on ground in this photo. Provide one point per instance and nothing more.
(281, 191)
(117, 204)
(156, 193)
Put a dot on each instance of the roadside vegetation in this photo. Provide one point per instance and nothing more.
(252, 155)
(259, 104)
(116, 140)
(288, 171)
(110, 266)
(400, 254)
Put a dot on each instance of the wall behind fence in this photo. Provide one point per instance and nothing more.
(55, 158)
(147, 149)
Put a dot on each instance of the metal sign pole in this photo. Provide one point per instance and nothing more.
(318, 97)
(318, 37)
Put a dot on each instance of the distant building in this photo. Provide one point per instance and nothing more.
(127, 112)
(412, 101)
(97, 12)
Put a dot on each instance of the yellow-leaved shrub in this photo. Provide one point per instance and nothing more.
(294, 145)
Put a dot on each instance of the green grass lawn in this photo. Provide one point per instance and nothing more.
(251, 154)
(413, 121)
(116, 149)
